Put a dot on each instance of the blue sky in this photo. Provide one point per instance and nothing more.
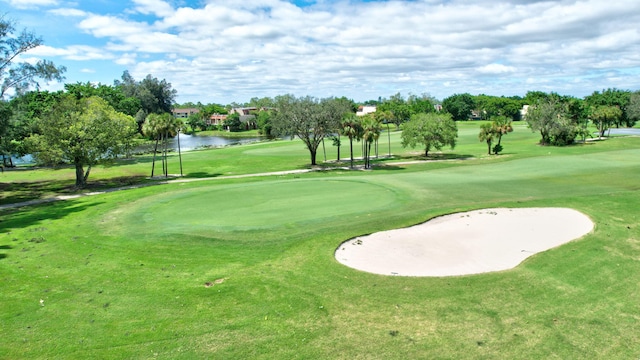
(230, 51)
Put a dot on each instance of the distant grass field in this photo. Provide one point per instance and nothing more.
(244, 268)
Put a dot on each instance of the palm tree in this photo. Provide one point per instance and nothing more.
(502, 126)
(161, 127)
(351, 129)
(487, 133)
(151, 129)
(370, 132)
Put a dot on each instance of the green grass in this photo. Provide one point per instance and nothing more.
(244, 268)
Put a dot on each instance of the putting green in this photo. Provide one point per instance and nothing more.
(251, 206)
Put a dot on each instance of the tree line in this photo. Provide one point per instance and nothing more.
(88, 123)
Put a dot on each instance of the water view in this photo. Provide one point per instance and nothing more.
(193, 142)
(187, 143)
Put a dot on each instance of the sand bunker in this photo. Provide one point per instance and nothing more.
(465, 243)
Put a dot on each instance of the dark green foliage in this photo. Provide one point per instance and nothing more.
(615, 98)
(154, 96)
(233, 123)
(459, 106)
(433, 131)
(309, 118)
(554, 123)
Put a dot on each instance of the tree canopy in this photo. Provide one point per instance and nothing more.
(433, 131)
(155, 96)
(82, 132)
(308, 118)
(459, 106)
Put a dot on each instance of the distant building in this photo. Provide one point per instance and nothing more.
(184, 113)
(523, 111)
(216, 119)
(366, 109)
(438, 107)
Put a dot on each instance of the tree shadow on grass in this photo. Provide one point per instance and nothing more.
(201, 174)
(436, 157)
(139, 159)
(15, 192)
(19, 218)
(4, 247)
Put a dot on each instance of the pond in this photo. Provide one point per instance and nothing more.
(187, 143)
(192, 142)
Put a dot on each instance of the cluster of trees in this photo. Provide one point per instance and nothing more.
(561, 119)
(312, 120)
(83, 124)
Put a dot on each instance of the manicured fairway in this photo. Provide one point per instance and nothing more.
(244, 268)
(264, 206)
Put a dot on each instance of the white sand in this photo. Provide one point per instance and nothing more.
(465, 243)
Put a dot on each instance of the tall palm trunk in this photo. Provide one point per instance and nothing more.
(351, 149)
(166, 161)
(155, 150)
(179, 153)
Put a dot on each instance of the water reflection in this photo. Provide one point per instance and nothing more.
(192, 142)
(187, 143)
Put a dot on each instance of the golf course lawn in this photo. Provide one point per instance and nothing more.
(244, 268)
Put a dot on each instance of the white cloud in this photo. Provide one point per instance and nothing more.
(155, 7)
(30, 4)
(70, 12)
(239, 49)
(496, 69)
(126, 59)
(73, 52)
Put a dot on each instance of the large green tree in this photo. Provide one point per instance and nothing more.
(612, 97)
(459, 106)
(82, 132)
(491, 106)
(552, 120)
(604, 116)
(155, 96)
(433, 131)
(111, 94)
(633, 109)
(16, 77)
(399, 108)
(308, 118)
(18, 121)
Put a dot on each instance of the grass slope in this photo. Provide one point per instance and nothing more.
(244, 268)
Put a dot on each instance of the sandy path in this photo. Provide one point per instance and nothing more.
(465, 243)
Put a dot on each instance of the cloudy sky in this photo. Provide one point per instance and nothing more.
(232, 50)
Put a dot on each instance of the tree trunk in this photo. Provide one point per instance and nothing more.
(488, 147)
(324, 150)
(313, 156)
(155, 150)
(86, 174)
(351, 149)
(179, 153)
(80, 179)
(389, 138)
(164, 155)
